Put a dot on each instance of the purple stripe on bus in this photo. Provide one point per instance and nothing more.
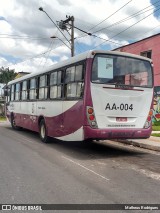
(67, 122)
(57, 126)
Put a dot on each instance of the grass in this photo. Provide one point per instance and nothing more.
(156, 134)
(3, 118)
(156, 123)
(155, 128)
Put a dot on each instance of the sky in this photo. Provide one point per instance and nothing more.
(25, 31)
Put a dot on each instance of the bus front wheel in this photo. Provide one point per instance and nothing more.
(43, 132)
(13, 123)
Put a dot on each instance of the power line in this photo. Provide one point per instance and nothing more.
(41, 9)
(149, 31)
(129, 17)
(36, 56)
(24, 38)
(10, 36)
(127, 28)
(30, 58)
(109, 40)
(49, 51)
(110, 15)
(125, 19)
(90, 34)
(50, 45)
(79, 47)
(105, 39)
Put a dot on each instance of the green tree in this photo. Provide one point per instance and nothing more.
(6, 75)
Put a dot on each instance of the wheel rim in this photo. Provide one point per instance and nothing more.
(43, 131)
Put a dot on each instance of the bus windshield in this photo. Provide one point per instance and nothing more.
(114, 69)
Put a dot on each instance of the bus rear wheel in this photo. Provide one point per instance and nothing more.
(43, 132)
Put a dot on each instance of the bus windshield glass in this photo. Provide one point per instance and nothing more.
(114, 69)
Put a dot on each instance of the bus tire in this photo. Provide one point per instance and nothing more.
(89, 140)
(43, 132)
(13, 123)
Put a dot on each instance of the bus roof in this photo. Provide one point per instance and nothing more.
(80, 57)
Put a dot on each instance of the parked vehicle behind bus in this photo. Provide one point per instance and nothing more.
(95, 95)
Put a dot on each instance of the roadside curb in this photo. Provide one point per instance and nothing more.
(154, 146)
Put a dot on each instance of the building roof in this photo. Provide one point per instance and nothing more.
(158, 34)
(23, 73)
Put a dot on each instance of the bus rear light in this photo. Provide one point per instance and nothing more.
(150, 113)
(91, 117)
(148, 120)
(147, 125)
(90, 110)
(93, 123)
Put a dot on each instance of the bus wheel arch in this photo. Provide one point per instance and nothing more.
(39, 119)
(13, 123)
(43, 130)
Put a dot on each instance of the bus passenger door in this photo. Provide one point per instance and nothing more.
(52, 108)
(33, 117)
(73, 103)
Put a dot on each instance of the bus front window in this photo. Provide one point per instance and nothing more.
(112, 69)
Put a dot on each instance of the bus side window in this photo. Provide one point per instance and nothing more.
(74, 82)
(79, 73)
(59, 84)
(43, 90)
(32, 89)
(8, 94)
(12, 92)
(56, 85)
(17, 92)
(20, 98)
(70, 74)
(24, 91)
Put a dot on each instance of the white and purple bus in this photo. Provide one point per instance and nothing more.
(96, 95)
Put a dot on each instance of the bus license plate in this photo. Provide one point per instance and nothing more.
(121, 119)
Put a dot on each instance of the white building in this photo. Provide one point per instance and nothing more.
(1, 90)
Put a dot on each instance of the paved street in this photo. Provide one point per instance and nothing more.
(74, 172)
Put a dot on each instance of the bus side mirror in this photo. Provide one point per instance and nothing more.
(6, 92)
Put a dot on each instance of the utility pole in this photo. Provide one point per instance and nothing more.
(72, 36)
(67, 25)
(63, 26)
